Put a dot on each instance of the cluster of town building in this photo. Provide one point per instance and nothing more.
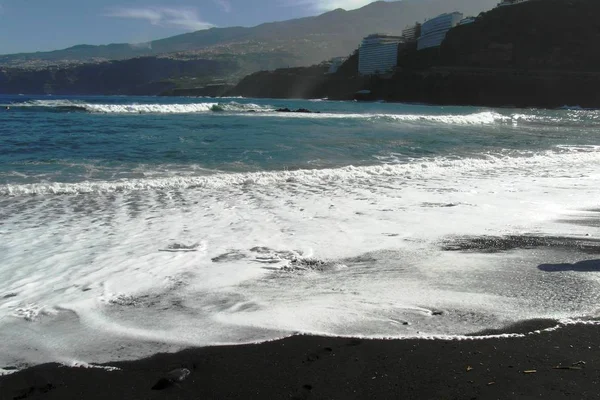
(378, 53)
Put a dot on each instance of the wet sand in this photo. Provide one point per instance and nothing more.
(564, 363)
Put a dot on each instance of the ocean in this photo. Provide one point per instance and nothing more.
(136, 225)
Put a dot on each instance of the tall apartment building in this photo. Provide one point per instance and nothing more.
(412, 33)
(378, 54)
(433, 31)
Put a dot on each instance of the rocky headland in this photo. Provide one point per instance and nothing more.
(539, 53)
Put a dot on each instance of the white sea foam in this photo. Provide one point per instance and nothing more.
(49, 103)
(481, 118)
(5, 372)
(542, 164)
(142, 108)
(83, 364)
(227, 106)
(149, 108)
(84, 276)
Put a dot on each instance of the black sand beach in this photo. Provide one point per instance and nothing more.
(564, 363)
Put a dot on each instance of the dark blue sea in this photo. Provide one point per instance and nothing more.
(134, 225)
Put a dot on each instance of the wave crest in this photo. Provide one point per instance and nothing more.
(486, 117)
(483, 117)
(137, 108)
(564, 160)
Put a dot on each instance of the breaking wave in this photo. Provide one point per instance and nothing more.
(486, 117)
(69, 106)
(481, 118)
(563, 160)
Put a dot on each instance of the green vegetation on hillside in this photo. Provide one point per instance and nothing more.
(293, 43)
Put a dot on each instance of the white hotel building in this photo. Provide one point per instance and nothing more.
(378, 54)
(433, 32)
(412, 33)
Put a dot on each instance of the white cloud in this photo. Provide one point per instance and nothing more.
(224, 4)
(185, 18)
(327, 5)
(141, 46)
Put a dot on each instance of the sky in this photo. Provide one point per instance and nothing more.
(42, 25)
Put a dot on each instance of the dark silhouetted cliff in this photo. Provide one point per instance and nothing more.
(536, 35)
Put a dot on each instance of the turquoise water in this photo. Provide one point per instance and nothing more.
(130, 226)
(48, 139)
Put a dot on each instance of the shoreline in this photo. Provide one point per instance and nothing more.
(554, 363)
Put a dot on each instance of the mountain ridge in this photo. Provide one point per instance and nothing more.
(221, 56)
(316, 38)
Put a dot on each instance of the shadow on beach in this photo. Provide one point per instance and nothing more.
(582, 266)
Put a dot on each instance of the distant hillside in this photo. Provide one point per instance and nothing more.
(306, 40)
(143, 76)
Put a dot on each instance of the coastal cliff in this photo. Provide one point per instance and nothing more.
(541, 53)
(310, 82)
(145, 75)
(535, 35)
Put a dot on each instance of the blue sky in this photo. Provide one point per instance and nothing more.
(40, 25)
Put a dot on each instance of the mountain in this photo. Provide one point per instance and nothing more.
(534, 54)
(305, 41)
(220, 56)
